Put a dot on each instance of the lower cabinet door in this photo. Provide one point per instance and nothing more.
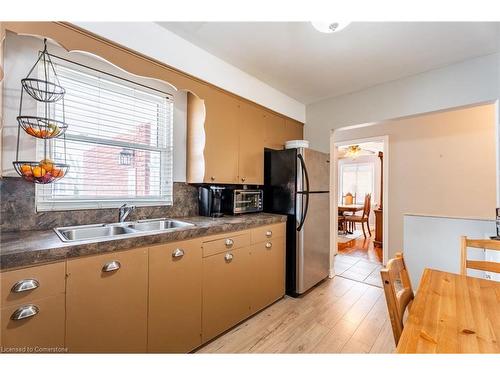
(175, 297)
(34, 327)
(226, 291)
(268, 264)
(106, 303)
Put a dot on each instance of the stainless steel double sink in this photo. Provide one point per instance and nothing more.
(118, 230)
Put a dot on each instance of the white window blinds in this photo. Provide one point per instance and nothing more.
(118, 144)
(357, 179)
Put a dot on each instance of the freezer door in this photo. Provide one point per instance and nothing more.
(318, 169)
(280, 169)
(313, 241)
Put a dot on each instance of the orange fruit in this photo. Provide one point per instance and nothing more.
(39, 171)
(43, 133)
(47, 164)
(57, 172)
(31, 131)
(26, 170)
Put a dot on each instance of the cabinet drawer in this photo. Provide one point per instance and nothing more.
(32, 283)
(267, 232)
(43, 330)
(106, 309)
(174, 320)
(229, 242)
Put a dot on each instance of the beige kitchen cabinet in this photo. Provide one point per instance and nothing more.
(293, 130)
(251, 145)
(226, 290)
(32, 309)
(221, 138)
(268, 262)
(226, 138)
(275, 133)
(39, 333)
(107, 302)
(174, 316)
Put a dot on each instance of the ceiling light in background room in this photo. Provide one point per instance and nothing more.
(329, 27)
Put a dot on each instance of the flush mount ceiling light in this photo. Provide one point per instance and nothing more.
(329, 27)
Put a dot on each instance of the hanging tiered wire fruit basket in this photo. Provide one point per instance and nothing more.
(46, 126)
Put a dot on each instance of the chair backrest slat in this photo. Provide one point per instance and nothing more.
(398, 300)
(367, 205)
(481, 265)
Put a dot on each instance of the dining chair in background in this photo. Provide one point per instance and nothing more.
(398, 292)
(481, 265)
(363, 219)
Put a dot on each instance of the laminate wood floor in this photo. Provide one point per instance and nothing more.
(338, 316)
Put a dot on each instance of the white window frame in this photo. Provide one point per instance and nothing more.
(166, 155)
(341, 179)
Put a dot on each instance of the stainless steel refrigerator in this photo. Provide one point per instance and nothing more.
(297, 184)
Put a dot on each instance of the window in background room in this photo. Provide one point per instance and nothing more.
(357, 179)
(118, 143)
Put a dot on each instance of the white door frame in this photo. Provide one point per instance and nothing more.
(334, 193)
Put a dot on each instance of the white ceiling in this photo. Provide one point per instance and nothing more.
(309, 66)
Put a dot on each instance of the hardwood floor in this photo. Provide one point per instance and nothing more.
(338, 316)
(362, 248)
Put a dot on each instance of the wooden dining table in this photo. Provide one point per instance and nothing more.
(453, 314)
(349, 208)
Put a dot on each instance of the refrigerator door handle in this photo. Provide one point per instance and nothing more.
(304, 214)
(305, 192)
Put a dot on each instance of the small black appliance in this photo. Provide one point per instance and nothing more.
(210, 200)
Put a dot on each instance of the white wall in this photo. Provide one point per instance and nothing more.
(438, 164)
(434, 242)
(20, 54)
(161, 44)
(472, 81)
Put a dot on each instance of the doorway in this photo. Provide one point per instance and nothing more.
(359, 189)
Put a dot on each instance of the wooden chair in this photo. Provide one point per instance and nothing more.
(398, 297)
(342, 224)
(481, 265)
(363, 219)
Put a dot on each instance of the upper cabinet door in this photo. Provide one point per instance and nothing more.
(221, 138)
(251, 155)
(293, 130)
(274, 131)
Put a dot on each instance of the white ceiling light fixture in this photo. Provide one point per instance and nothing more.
(329, 27)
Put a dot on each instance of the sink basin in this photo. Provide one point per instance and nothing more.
(154, 225)
(86, 232)
(118, 230)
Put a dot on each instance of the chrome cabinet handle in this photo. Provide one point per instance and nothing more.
(229, 242)
(228, 257)
(25, 285)
(269, 233)
(269, 245)
(111, 266)
(178, 253)
(25, 312)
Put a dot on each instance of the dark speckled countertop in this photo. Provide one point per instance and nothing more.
(26, 248)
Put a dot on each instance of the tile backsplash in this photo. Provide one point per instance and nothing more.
(17, 208)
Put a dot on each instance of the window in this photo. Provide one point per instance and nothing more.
(118, 144)
(357, 179)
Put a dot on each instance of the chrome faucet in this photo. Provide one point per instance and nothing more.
(124, 211)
